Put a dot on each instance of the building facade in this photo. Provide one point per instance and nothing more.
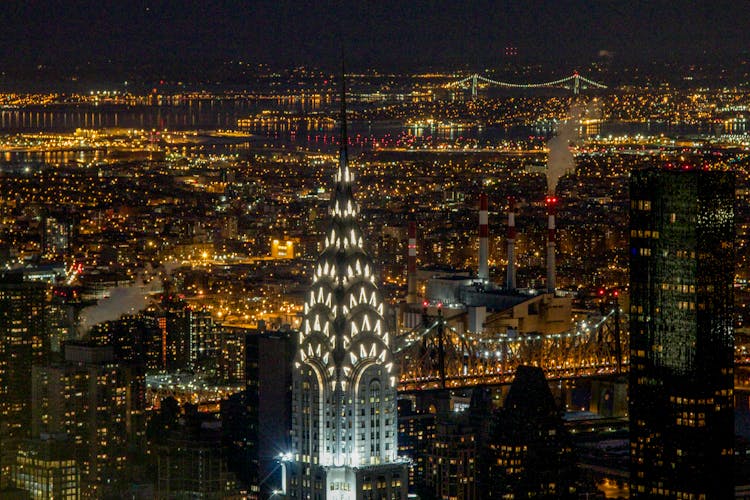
(344, 428)
(681, 333)
(529, 453)
(256, 422)
(23, 342)
(452, 457)
(46, 468)
(96, 402)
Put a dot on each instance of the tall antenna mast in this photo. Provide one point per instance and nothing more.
(343, 153)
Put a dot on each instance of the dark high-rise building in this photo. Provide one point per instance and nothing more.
(97, 403)
(256, 421)
(135, 339)
(177, 324)
(452, 456)
(57, 236)
(416, 433)
(681, 333)
(176, 321)
(23, 343)
(529, 453)
(442, 433)
(190, 462)
(203, 338)
(231, 358)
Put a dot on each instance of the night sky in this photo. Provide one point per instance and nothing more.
(379, 34)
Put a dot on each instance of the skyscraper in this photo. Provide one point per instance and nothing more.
(681, 337)
(23, 342)
(344, 427)
(95, 402)
(452, 454)
(256, 422)
(529, 453)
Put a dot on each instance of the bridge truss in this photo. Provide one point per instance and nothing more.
(436, 355)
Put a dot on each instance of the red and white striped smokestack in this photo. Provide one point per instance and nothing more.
(510, 279)
(551, 236)
(484, 233)
(411, 266)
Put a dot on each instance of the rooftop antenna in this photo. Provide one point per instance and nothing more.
(343, 153)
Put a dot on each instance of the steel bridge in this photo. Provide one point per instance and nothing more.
(436, 355)
(574, 82)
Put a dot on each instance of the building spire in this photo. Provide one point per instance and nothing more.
(342, 201)
(343, 152)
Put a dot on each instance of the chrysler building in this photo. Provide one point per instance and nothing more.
(344, 424)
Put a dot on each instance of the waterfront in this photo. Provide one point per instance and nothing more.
(297, 123)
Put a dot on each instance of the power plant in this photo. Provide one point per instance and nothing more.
(477, 304)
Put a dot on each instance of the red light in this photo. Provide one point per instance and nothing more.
(440, 305)
(425, 304)
(616, 293)
(601, 292)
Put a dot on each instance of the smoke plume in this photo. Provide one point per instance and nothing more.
(121, 300)
(124, 299)
(560, 159)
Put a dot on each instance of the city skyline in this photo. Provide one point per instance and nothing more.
(468, 250)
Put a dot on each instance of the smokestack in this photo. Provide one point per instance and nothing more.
(484, 270)
(411, 269)
(551, 208)
(510, 280)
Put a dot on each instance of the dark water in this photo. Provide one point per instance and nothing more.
(224, 114)
(289, 122)
(671, 130)
(183, 115)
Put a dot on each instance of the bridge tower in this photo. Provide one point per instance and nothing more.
(576, 83)
(474, 85)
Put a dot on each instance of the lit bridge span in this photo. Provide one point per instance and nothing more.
(574, 82)
(436, 355)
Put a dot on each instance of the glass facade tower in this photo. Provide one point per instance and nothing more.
(681, 333)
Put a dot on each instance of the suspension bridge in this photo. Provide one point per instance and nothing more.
(574, 82)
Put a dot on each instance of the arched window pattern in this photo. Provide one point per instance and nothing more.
(345, 376)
